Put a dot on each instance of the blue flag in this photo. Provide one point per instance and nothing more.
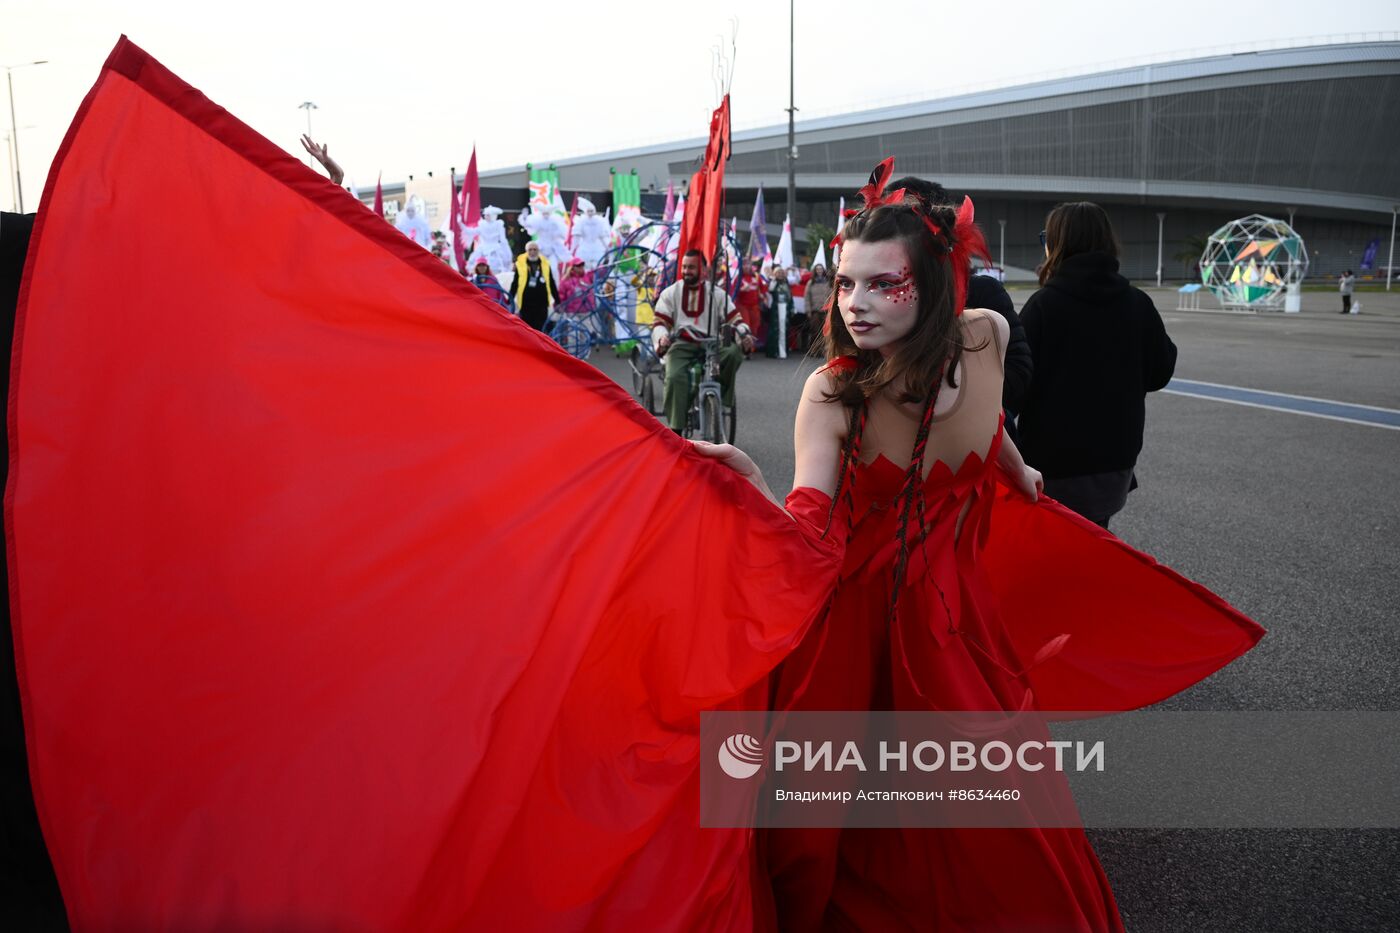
(758, 231)
(1368, 258)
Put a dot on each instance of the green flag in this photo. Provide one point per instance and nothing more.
(544, 185)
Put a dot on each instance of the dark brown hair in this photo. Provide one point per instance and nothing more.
(1073, 228)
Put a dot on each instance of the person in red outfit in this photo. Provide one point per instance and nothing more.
(903, 428)
(752, 297)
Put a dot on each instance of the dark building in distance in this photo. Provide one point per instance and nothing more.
(1311, 132)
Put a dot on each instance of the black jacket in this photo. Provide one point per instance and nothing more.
(986, 292)
(1099, 347)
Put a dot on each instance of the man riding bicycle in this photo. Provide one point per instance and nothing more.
(693, 309)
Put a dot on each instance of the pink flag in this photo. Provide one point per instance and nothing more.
(670, 214)
(379, 195)
(471, 195)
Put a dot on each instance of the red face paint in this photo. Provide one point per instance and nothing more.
(901, 289)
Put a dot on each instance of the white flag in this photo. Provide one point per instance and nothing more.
(840, 225)
(783, 254)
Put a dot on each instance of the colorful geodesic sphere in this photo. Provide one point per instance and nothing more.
(1250, 262)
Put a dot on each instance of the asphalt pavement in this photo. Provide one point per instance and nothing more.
(1295, 520)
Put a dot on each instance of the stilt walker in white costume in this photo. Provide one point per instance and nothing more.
(491, 243)
(591, 234)
(545, 225)
(412, 222)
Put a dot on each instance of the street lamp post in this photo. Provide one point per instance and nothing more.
(792, 112)
(14, 129)
(10, 160)
(308, 106)
(10, 166)
(1161, 220)
(1390, 264)
(1001, 259)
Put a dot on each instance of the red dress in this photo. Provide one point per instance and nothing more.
(344, 600)
(928, 657)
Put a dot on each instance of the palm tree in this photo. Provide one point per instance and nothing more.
(1192, 249)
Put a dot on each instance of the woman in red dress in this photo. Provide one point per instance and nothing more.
(906, 422)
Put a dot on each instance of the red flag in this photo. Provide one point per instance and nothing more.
(471, 194)
(379, 195)
(700, 228)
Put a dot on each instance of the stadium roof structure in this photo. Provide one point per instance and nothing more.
(1313, 126)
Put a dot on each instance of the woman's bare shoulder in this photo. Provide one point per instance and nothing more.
(819, 405)
(821, 385)
(972, 317)
(979, 323)
(819, 432)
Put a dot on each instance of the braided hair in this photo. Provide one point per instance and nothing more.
(846, 479)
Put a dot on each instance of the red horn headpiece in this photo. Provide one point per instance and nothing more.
(874, 193)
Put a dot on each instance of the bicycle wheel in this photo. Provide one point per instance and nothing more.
(573, 337)
(711, 419)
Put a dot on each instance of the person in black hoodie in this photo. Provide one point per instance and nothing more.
(1099, 347)
(986, 292)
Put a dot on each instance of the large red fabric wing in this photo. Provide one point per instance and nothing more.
(342, 598)
(1138, 632)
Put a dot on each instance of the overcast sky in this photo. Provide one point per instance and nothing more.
(404, 92)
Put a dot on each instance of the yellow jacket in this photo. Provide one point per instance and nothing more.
(521, 264)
